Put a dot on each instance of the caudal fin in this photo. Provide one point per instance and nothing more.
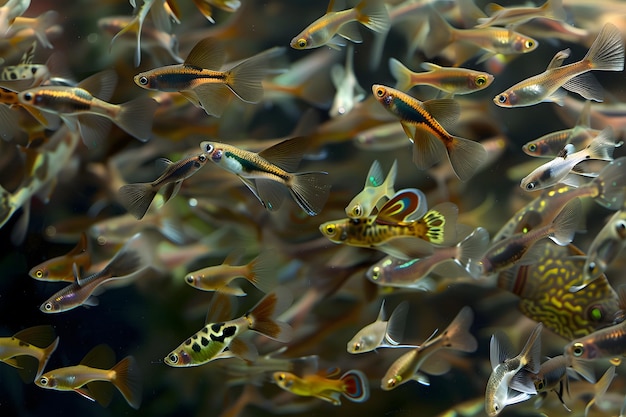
(607, 51)
(373, 15)
(47, 352)
(262, 316)
(262, 271)
(440, 222)
(457, 335)
(471, 249)
(565, 224)
(135, 117)
(466, 157)
(128, 381)
(611, 183)
(244, 79)
(356, 386)
(401, 73)
(310, 190)
(136, 198)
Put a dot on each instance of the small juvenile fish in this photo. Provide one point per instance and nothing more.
(260, 272)
(60, 267)
(513, 16)
(38, 343)
(556, 170)
(497, 394)
(456, 337)
(447, 79)
(370, 13)
(348, 91)
(382, 333)
(97, 366)
(84, 108)
(200, 78)
(267, 173)
(220, 340)
(423, 123)
(375, 191)
(605, 54)
(353, 385)
(136, 198)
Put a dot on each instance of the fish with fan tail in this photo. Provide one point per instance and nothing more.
(201, 80)
(220, 340)
(136, 198)
(98, 365)
(543, 288)
(60, 268)
(353, 385)
(375, 192)
(505, 368)
(455, 337)
(85, 108)
(605, 54)
(269, 172)
(36, 343)
(336, 25)
(423, 122)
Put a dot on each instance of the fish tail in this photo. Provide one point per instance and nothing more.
(136, 198)
(8, 121)
(611, 183)
(466, 157)
(373, 15)
(261, 317)
(565, 224)
(310, 190)
(244, 79)
(440, 35)
(531, 353)
(47, 352)
(262, 271)
(133, 27)
(607, 51)
(554, 9)
(356, 386)
(42, 23)
(441, 222)
(135, 117)
(128, 381)
(602, 146)
(471, 249)
(601, 387)
(401, 73)
(457, 335)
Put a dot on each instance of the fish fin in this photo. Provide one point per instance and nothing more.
(586, 85)
(244, 79)
(93, 129)
(500, 349)
(457, 335)
(263, 273)
(100, 85)
(421, 378)
(472, 248)
(441, 224)
(601, 387)
(337, 75)
(375, 176)
(584, 119)
(350, 31)
(101, 392)
(84, 392)
(409, 203)
(396, 323)
(8, 121)
(427, 149)
(401, 73)
(262, 315)
(485, 57)
(27, 367)
(611, 184)
(243, 349)
(607, 51)
(373, 15)
(583, 368)
(205, 9)
(336, 43)
(407, 247)
(440, 35)
(466, 156)
(286, 154)
(195, 100)
(435, 365)
(135, 26)
(136, 198)
(517, 398)
(135, 117)
(310, 190)
(42, 23)
(20, 228)
(390, 180)
(128, 381)
(270, 193)
(557, 97)
(356, 386)
(566, 222)
(213, 98)
(207, 54)
(232, 289)
(47, 353)
(531, 353)
(602, 146)
(522, 381)
(221, 308)
(100, 357)
(444, 110)
(81, 247)
(39, 336)
(169, 191)
(558, 59)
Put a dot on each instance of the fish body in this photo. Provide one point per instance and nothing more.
(375, 191)
(381, 333)
(136, 198)
(219, 340)
(348, 91)
(605, 247)
(551, 144)
(352, 385)
(60, 267)
(497, 394)
(605, 54)
(456, 337)
(608, 342)
(422, 122)
(94, 367)
(370, 13)
(266, 173)
(38, 342)
(512, 16)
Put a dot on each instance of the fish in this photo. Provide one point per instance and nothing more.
(381, 333)
(505, 253)
(97, 366)
(556, 170)
(200, 78)
(513, 16)
(352, 385)
(348, 91)
(60, 268)
(85, 108)
(402, 228)
(37, 343)
(260, 272)
(423, 123)
(137, 198)
(220, 340)
(453, 81)
(375, 191)
(131, 258)
(9, 11)
(268, 172)
(337, 24)
(455, 337)
(464, 256)
(600, 388)
(607, 342)
(504, 370)
(605, 54)
(206, 7)
(543, 288)
(37, 27)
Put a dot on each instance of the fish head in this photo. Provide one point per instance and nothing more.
(178, 358)
(334, 231)
(285, 380)
(390, 382)
(302, 41)
(212, 150)
(523, 44)
(193, 280)
(39, 272)
(506, 99)
(382, 94)
(480, 80)
(535, 148)
(581, 349)
(147, 81)
(31, 97)
(47, 381)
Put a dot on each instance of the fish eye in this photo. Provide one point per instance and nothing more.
(301, 43)
(376, 273)
(330, 229)
(592, 267)
(357, 211)
(480, 80)
(173, 358)
(392, 382)
(531, 185)
(208, 148)
(48, 306)
(620, 228)
(39, 273)
(143, 80)
(578, 350)
(202, 158)
(529, 44)
(496, 407)
(380, 92)
(189, 279)
(281, 377)
(596, 313)
(539, 385)
(532, 147)
(357, 347)
(43, 381)
(502, 98)
(28, 96)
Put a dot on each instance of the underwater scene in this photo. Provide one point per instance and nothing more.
(273, 207)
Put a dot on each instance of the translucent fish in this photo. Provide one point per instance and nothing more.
(381, 333)
(38, 343)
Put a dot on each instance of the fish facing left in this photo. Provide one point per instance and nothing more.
(38, 343)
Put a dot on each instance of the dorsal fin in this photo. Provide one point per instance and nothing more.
(402, 205)
(100, 357)
(100, 85)
(558, 59)
(207, 54)
(286, 154)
